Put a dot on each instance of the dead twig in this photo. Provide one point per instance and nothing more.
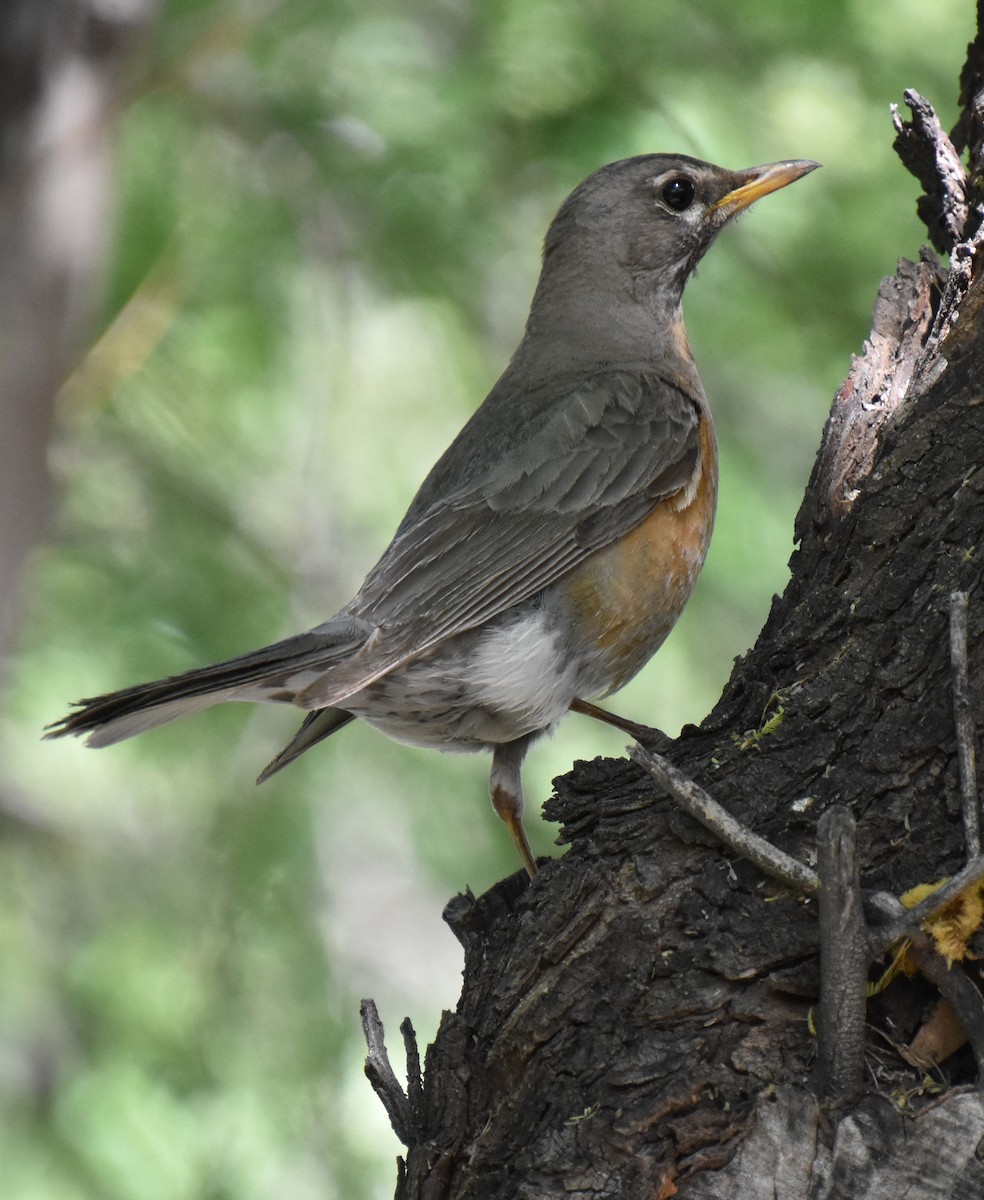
(415, 1079)
(901, 922)
(843, 955)
(738, 837)
(381, 1075)
(963, 719)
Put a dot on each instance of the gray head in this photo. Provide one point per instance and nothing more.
(627, 239)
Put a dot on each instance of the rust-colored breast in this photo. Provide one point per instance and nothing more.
(628, 596)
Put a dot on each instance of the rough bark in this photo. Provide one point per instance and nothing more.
(635, 1023)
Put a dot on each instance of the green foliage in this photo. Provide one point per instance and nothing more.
(329, 218)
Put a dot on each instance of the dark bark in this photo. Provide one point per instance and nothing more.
(635, 1023)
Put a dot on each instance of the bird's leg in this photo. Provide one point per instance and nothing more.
(632, 728)
(506, 790)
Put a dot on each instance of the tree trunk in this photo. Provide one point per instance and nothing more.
(59, 67)
(637, 1022)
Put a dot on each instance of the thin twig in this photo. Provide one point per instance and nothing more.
(963, 718)
(381, 1075)
(897, 923)
(902, 921)
(843, 955)
(703, 808)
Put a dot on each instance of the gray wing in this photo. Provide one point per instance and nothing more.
(583, 472)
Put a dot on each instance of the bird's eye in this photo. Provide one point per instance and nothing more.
(678, 194)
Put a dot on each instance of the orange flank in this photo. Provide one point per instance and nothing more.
(629, 595)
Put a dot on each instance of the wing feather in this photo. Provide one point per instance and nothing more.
(591, 466)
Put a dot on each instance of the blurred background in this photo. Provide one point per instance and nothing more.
(267, 256)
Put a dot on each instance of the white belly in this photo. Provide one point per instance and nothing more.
(478, 689)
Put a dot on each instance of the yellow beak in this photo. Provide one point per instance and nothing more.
(758, 182)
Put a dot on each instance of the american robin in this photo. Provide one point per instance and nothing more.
(550, 550)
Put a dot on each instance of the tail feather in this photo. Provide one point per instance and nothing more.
(316, 727)
(266, 674)
(107, 731)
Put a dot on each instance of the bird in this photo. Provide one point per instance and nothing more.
(552, 547)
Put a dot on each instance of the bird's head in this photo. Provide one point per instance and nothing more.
(650, 219)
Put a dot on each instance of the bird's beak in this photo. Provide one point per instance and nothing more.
(759, 181)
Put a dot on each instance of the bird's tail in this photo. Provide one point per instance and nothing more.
(276, 672)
